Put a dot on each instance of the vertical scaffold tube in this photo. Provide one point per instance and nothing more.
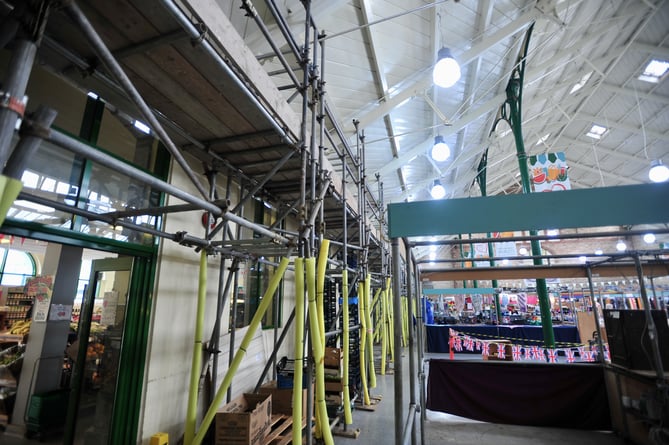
(299, 351)
(196, 363)
(265, 303)
(317, 348)
(370, 330)
(345, 346)
(363, 342)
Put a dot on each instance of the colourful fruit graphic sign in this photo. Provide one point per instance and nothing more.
(548, 172)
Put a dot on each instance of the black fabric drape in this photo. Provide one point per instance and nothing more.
(557, 395)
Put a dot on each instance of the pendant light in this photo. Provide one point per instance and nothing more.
(438, 191)
(440, 150)
(649, 238)
(446, 71)
(658, 171)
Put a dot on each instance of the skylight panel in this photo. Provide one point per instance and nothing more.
(655, 71)
(596, 132)
(543, 139)
(581, 83)
(30, 179)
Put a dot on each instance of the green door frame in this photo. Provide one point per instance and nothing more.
(127, 397)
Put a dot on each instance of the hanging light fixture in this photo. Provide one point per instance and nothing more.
(649, 238)
(658, 171)
(438, 191)
(440, 150)
(446, 71)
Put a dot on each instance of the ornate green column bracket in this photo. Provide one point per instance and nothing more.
(514, 96)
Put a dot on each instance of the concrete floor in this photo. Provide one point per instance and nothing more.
(377, 428)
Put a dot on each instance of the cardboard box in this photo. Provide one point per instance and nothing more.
(332, 358)
(282, 399)
(334, 386)
(245, 420)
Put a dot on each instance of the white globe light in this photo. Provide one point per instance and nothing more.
(440, 150)
(438, 191)
(446, 71)
(621, 246)
(582, 259)
(649, 238)
(658, 171)
(599, 252)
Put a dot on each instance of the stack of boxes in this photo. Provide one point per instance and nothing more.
(282, 399)
(244, 421)
(334, 385)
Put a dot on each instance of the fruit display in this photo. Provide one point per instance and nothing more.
(20, 327)
(94, 351)
(10, 357)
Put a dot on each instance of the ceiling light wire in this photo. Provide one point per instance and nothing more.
(599, 169)
(643, 127)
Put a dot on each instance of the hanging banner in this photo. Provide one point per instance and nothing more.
(40, 289)
(548, 172)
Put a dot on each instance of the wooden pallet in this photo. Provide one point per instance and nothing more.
(281, 431)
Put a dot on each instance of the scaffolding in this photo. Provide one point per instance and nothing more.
(272, 158)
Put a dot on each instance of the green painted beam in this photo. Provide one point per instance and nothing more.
(595, 207)
(460, 291)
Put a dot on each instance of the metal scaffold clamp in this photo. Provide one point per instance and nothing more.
(13, 103)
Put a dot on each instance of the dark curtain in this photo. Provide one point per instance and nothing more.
(535, 394)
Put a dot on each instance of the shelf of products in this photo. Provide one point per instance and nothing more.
(17, 307)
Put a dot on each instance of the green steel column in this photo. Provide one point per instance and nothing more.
(514, 95)
(498, 310)
(481, 180)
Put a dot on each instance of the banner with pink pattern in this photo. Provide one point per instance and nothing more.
(461, 342)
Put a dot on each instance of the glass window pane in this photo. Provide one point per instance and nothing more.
(51, 165)
(119, 135)
(18, 267)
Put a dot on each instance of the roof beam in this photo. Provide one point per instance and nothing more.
(380, 79)
(464, 58)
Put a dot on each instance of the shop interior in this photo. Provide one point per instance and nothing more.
(22, 289)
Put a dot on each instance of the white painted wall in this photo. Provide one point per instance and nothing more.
(170, 343)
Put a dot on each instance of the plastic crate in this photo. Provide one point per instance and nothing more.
(46, 412)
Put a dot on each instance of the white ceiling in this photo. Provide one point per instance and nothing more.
(379, 55)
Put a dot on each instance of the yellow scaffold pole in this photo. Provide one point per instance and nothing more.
(363, 342)
(265, 303)
(370, 330)
(317, 348)
(320, 286)
(196, 363)
(391, 317)
(299, 351)
(345, 346)
(384, 332)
